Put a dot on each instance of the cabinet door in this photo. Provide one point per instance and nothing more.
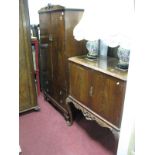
(99, 94)
(79, 83)
(27, 92)
(107, 97)
(116, 96)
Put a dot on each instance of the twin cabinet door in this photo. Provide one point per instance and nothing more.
(101, 93)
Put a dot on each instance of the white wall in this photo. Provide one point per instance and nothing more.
(140, 95)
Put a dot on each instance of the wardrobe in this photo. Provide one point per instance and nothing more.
(57, 44)
(27, 91)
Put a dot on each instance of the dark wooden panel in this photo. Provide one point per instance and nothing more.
(80, 83)
(44, 49)
(45, 25)
(107, 97)
(46, 82)
(116, 96)
(99, 97)
(27, 91)
(57, 57)
(57, 47)
(45, 64)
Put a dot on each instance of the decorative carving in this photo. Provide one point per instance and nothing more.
(90, 116)
(50, 7)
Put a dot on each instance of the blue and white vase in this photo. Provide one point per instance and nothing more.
(123, 55)
(103, 49)
(93, 48)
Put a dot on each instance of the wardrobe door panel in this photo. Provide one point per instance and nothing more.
(45, 24)
(27, 90)
(57, 48)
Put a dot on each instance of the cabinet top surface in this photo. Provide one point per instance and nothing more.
(107, 65)
(52, 8)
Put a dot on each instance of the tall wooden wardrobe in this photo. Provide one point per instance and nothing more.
(27, 91)
(57, 44)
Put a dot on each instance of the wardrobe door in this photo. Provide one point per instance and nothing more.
(57, 53)
(45, 25)
(27, 91)
(45, 57)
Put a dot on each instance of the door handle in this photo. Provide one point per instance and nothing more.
(91, 91)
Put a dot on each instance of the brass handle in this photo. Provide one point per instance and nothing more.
(117, 83)
(60, 92)
(61, 17)
(91, 91)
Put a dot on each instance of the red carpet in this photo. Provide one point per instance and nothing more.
(46, 133)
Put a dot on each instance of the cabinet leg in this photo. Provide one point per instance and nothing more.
(69, 123)
(116, 134)
(46, 98)
(69, 120)
(37, 108)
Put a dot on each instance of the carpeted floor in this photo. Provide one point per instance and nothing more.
(46, 133)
